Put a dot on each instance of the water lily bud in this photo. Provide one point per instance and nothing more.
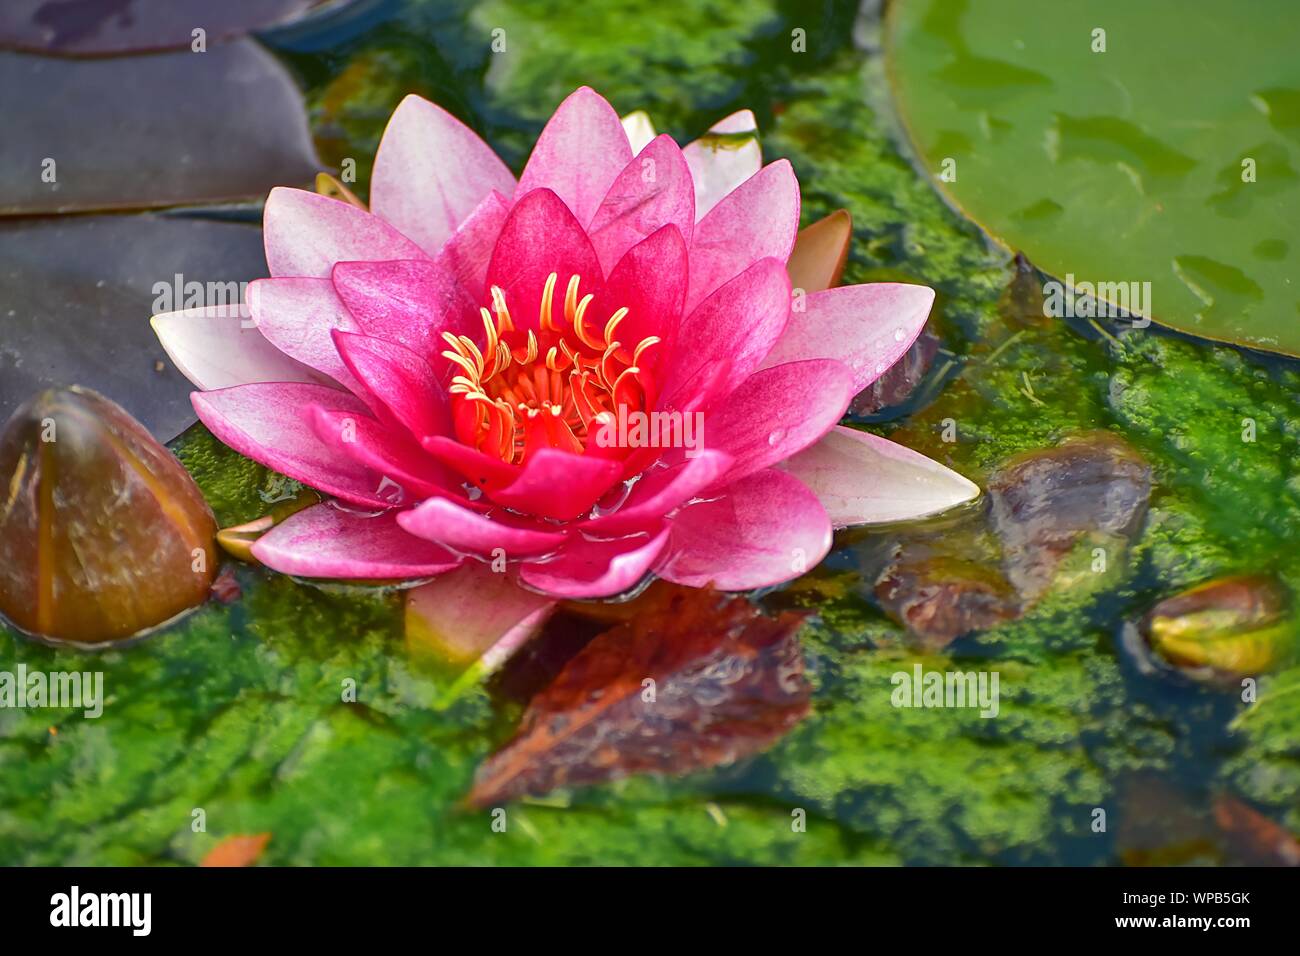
(102, 533)
(1229, 627)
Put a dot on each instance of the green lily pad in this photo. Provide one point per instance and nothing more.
(1121, 142)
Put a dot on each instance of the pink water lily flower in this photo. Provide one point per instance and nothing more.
(441, 365)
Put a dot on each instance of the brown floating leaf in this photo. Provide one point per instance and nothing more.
(728, 682)
(820, 252)
(124, 26)
(240, 850)
(1253, 837)
(149, 131)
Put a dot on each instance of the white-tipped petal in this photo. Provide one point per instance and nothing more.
(863, 479)
(218, 347)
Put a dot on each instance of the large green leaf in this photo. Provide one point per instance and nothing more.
(1128, 164)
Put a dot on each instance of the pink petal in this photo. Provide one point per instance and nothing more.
(558, 484)
(659, 492)
(474, 614)
(394, 457)
(409, 302)
(724, 340)
(297, 315)
(216, 347)
(483, 471)
(652, 191)
(306, 233)
(468, 251)
(863, 479)
(758, 219)
(398, 381)
(541, 236)
(762, 530)
(269, 422)
(649, 282)
(779, 411)
(325, 541)
(723, 158)
(462, 529)
(579, 153)
(867, 327)
(430, 173)
(595, 569)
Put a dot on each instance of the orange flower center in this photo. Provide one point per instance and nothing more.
(552, 388)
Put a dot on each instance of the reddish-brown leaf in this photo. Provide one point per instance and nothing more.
(239, 850)
(728, 682)
(1256, 839)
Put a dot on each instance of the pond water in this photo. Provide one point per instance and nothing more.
(1097, 754)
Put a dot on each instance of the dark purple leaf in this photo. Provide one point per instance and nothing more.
(76, 294)
(149, 131)
(125, 26)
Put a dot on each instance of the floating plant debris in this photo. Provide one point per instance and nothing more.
(237, 850)
(238, 540)
(103, 534)
(700, 680)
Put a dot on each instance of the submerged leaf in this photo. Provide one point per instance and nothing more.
(698, 681)
(1046, 501)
